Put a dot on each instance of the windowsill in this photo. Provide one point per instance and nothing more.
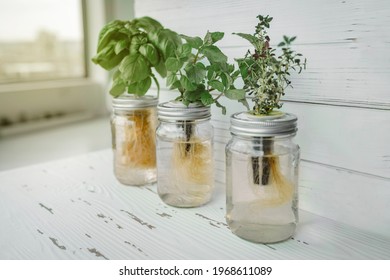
(55, 139)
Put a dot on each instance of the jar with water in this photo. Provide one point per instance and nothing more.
(262, 164)
(133, 126)
(185, 164)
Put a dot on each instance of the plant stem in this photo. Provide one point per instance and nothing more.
(266, 144)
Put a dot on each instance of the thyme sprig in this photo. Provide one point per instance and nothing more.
(266, 75)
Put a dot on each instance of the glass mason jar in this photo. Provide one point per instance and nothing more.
(185, 163)
(262, 163)
(133, 126)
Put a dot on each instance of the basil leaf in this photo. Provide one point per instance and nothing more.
(120, 46)
(150, 52)
(134, 67)
(140, 87)
(118, 87)
(166, 41)
(107, 58)
(148, 24)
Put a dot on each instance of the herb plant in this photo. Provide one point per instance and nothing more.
(266, 75)
(133, 48)
(198, 68)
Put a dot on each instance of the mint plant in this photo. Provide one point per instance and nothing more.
(132, 49)
(266, 74)
(198, 68)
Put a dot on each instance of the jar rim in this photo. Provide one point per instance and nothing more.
(176, 111)
(129, 101)
(247, 124)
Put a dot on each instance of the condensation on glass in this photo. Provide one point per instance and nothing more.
(262, 163)
(133, 125)
(185, 161)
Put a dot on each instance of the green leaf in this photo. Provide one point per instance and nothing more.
(184, 51)
(216, 36)
(141, 87)
(186, 84)
(195, 73)
(118, 87)
(134, 68)
(173, 64)
(214, 54)
(161, 69)
(192, 96)
(245, 103)
(235, 94)
(252, 39)
(112, 31)
(194, 42)
(120, 46)
(217, 85)
(206, 98)
(226, 80)
(150, 52)
(147, 23)
(107, 58)
(171, 78)
(166, 41)
(219, 105)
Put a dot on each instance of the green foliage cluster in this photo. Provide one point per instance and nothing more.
(133, 49)
(198, 68)
(265, 74)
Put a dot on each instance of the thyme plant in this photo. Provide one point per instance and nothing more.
(266, 74)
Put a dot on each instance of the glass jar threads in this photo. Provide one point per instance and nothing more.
(185, 160)
(133, 126)
(262, 165)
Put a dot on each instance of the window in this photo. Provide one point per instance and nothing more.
(41, 40)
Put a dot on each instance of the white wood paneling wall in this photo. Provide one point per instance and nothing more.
(342, 99)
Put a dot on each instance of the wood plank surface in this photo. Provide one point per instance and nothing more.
(75, 209)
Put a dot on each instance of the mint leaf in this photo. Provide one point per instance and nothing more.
(252, 39)
(212, 37)
(206, 98)
(171, 78)
(186, 84)
(173, 64)
(134, 67)
(219, 105)
(235, 94)
(216, 36)
(217, 85)
(214, 54)
(194, 42)
(195, 73)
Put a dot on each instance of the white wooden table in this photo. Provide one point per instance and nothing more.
(75, 209)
